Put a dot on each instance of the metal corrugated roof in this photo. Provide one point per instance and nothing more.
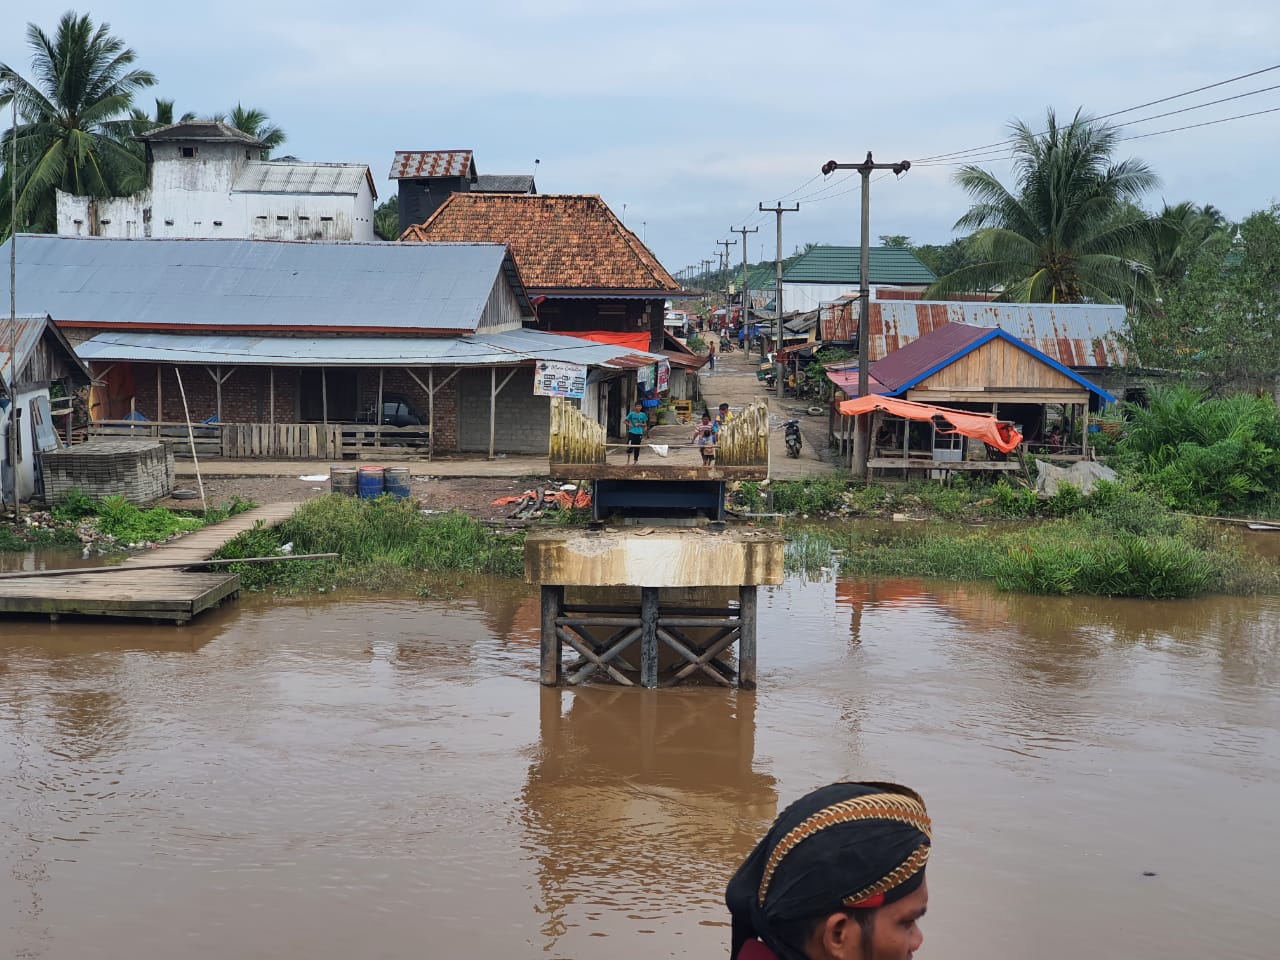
(202, 130)
(843, 265)
(486, 349)
(259, 284)
(927, 353)
(413, 164)
(1075, 335)
(504, 183)
(30, 329)
(273, 176)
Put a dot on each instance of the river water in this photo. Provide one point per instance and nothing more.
(341, 777)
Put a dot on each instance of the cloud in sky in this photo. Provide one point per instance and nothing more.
(691, 113)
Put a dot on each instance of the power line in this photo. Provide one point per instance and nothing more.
(1105, 116)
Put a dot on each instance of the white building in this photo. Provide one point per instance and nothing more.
(206, 179)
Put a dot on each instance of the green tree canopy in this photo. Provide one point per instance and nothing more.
(1222, 321)
(73, 118)
(256, 124)
(1054, 237)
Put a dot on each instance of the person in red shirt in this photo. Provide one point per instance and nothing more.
(839, 876)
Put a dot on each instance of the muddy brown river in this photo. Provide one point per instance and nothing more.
(347, 778)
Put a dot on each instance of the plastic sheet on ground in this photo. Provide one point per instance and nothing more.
(1083, 475)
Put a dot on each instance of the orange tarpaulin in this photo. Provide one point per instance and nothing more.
(979, 426)
(632, 341)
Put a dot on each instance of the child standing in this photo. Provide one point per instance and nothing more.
(637, 420)
(705, 437)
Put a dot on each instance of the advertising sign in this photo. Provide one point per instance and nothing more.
(555, 379)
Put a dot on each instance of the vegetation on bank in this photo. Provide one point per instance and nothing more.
(383, 543)
(1120, 540)
(109, 525)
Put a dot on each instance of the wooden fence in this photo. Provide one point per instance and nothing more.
(276, 441)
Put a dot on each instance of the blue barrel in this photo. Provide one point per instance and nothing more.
(396, 482)
(369, 484)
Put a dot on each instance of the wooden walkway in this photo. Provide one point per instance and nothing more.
(136, 588)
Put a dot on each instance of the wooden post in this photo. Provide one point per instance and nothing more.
(218, 389)
(493, 407)
(747, 638)
(1084, 430)
(271, 398)
(431, 412)
(324, 396)
(377, 417)
(649, 637)
(159, 396)
(552, 605)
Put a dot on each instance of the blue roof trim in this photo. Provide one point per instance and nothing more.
(997, 332)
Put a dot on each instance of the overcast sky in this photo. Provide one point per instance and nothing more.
(691, 112)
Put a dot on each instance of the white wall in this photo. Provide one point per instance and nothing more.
(27, 460)
(192, 197)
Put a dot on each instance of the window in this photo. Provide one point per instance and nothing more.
(217, 223)
(303, 216)
(187, 153)
(17, 426)
(281, 219)
(326, 219)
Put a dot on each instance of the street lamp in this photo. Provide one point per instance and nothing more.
(860, 437)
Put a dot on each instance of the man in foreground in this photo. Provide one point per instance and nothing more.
(839, 876)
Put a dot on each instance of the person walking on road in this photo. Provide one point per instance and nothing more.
(637, 421)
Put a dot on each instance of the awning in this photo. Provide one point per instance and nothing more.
(509, 348)
(979, 426)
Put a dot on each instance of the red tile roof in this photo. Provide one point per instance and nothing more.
(561, 243)
(412, 164)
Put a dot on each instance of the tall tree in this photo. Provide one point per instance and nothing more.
(256, 124)
(1222, 322)
(73, 118)
(1053, 237)
(386, 219)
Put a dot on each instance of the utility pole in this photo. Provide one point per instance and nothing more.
(778, 209)
(861, 436)
(745, 316)
(11, 386)
(724, 266)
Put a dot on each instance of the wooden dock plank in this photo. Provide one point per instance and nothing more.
(139, 589)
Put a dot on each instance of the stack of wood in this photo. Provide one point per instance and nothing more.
(744, 440)
(574, 437)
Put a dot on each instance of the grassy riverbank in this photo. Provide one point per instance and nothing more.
(1116, 542)
(382, 544)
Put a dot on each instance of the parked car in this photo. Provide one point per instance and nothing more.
(397, 411)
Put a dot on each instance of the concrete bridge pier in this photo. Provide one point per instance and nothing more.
(696, 602)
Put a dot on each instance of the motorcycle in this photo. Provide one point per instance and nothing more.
(726, 344)
(791, 435)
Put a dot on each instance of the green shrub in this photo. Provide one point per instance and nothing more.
(76, 505)
(823, 495)
(120, 519)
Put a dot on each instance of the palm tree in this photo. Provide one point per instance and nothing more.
(1059, 236)
(386, 220)
(256, 124)
(1179, 234)
(73, 118)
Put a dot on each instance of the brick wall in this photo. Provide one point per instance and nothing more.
(522, 423)
(398, 381)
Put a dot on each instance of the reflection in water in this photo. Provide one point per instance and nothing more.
(347, 776)
(628, 785)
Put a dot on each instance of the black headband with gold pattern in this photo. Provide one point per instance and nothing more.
(903, 807)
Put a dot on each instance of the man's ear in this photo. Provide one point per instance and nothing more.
(839, 936)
